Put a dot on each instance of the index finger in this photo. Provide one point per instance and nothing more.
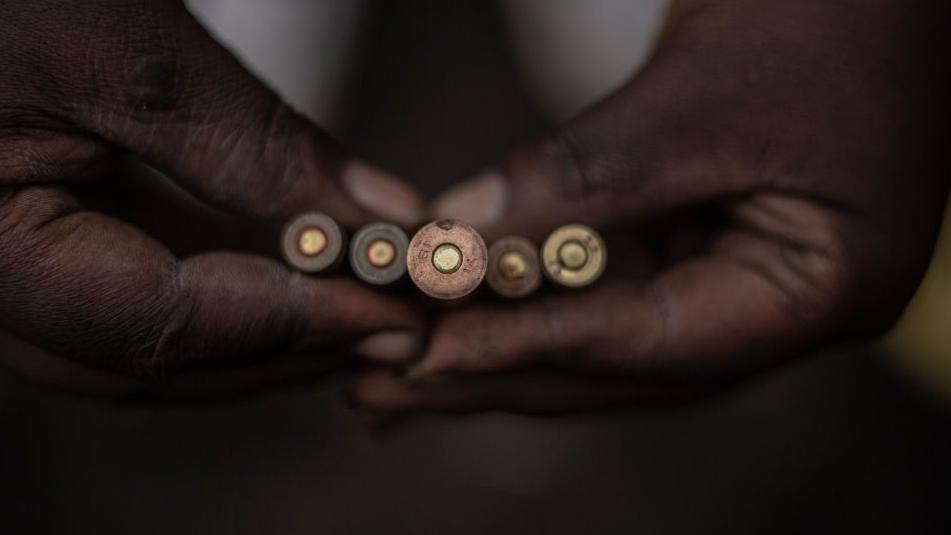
(91, 288)
(713, 316)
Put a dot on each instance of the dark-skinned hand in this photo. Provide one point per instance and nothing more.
(87, 83)
(771, 182)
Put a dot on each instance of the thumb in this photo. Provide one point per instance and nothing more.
(167, 92)
(642, 152)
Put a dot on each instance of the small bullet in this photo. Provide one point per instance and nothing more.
(313, 242)
(447, 259)
(378, 253)
(574, 256)
(514, 269)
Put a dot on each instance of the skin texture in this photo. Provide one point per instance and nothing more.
(104, 264)
(771, 182)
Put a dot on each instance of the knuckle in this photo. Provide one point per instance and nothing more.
(217, 308)
(22, 210)
(799, 247)
(167, 328)
(34, 151)
(818, 283)
(291, 154)
(265, 163)
(812, 288)
(106, 312)
(134, 333)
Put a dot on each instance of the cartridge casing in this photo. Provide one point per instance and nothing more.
(574, 256)
(447, 259)
(514, 269)
(378, 253)
(313, 242)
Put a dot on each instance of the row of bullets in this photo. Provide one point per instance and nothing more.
(446, 259)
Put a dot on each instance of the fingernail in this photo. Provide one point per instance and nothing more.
(383, 193)
(478, 201)
(390, 346)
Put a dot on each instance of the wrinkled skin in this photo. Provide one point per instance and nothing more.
(776, 176)
(771, 182)
(87, 86)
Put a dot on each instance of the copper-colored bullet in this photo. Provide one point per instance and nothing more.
(574, 256)
(313, 242)
(514, 268)
(447, 259)
(378, 253)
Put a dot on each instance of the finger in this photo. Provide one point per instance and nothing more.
(748, 305)
(159, 86)
(651, 148)
(148, 200)
(61, 375)
(30, 363)
(563, 329)
(232, 383)
(89, 287)
(534, 392)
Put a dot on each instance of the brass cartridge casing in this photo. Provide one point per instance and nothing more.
(378, 253)
(574, 256)
(313, 242)
(514, 269)
(447, 259)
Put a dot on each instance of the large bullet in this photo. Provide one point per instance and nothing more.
(447, 259)
(313, 242)
(514, 268)
(574, 256)
(378, 253)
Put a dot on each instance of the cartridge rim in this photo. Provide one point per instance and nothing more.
(454, 276)
(563, 261)
(362, 261)
(312, 242)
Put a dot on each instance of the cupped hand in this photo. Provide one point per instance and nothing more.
(771, 182)
(86, 83)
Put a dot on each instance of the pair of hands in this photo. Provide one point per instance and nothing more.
(773, 180)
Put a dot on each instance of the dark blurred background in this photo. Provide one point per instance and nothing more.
(849, 441)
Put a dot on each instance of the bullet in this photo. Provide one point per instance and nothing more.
(514, 268)
(378, 253)
(574, 256)
(447, 259)
(313, 242)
